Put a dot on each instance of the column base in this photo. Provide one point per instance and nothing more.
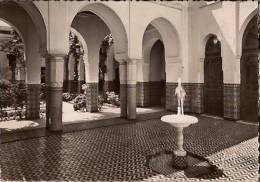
(142, 94)
(33, 101)
(171, 99)
(123, 101)
(180, 162)
(92, 97)
(197, 98)
(131, 101)
(54, 108)
(232, 101)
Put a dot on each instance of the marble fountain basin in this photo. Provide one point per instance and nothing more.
(179, 121)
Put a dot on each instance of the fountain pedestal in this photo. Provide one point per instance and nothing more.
(179, 122)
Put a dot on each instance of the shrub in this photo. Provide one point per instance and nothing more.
(80, 103)
(12, 114)
(19, 92)
(6, 95)
(113, 98)
(101, 101)
(67, 97)
(43, 92)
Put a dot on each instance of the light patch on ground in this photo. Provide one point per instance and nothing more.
(70, 116)
(18, 124)
(108, 111)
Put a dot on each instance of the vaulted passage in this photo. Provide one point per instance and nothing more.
(157, 74)
(213, 75)
(249, 71)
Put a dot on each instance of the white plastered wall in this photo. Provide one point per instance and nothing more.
(168, 22)
(223, 19)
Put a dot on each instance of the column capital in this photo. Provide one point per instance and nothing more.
(55, 69)
(238, 57)
(172, 59)
(122, 62)
(133, 61)
(55, 57)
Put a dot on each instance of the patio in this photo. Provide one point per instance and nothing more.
(121, 152)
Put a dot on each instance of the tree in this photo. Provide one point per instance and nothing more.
(106, 43)
(77, 50)
(15, 52)
(6, 95)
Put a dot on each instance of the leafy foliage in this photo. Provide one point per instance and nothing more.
(67, 97)
(19, 92)
(6, 94)
(12, 95)
(112, 98)
(80, 103)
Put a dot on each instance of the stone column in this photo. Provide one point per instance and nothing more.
(197, 98)
(71, 82)
(143, 84)
(65, 74)
(81, 73)
(131, 89)
(123, 91)
(231, 93)
(33, 101)
(92, 97)
(110, 75)
(232, 101)
(54, 79)
(33, 86)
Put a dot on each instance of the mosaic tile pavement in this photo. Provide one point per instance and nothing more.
(120, 152)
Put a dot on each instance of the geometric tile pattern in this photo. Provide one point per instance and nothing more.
(92, 97)
(142, 94)
(156, 89)
(120, 152)
(232, 101)
(150, 93)
(194, 97)
(171, 100)
(238, 163)
(33, 101)
(197, 103)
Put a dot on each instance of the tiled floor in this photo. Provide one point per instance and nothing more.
(121, 152)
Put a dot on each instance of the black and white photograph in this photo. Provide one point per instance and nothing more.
(149, 91)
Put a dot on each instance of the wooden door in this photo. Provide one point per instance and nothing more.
(213, 79)
(249, 74)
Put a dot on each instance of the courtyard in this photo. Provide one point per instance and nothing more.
(121, 152)
(107, 91)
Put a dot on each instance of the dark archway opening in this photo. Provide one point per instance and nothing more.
(213, 78)
(157, 74)
(249, 73)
